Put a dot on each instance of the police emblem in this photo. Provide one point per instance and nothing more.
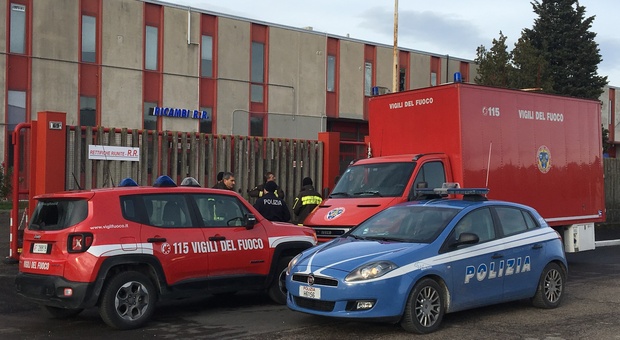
(543, 159)
(334, 214)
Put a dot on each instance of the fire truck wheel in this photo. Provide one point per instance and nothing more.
(61, 313)
(277, 290)
(550, 289)
(425, 308)
(128, 300)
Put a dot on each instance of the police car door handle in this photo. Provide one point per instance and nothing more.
(217, 238)
(537, 246)
(156, 239)
(497, 256)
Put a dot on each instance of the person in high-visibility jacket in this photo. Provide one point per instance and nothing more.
(306, 201)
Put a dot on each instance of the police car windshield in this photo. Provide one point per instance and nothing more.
(379, 179)
(418, 224)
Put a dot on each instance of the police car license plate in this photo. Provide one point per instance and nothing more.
(39, 248)
(310, 292)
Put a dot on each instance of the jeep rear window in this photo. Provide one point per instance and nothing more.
(58, 214)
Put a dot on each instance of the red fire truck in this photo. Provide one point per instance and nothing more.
(541, 150)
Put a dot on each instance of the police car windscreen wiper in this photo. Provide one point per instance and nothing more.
(368, 193)
(385, 238)
(333, 194)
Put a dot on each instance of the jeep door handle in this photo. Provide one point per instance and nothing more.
(217, 238)
(156, 239)
(497, 256)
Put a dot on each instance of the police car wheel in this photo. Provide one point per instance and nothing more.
(61, 313)
(128, 300)
(550, 289)
(425, 308)
(277, 290)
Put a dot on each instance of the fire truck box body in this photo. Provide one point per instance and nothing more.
(540, 150)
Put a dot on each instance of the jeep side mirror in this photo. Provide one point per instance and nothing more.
(250, 221)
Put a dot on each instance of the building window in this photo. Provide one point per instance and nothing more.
(150, 121)
(88, 111)
(89, 38)
(331, 73)
(16, 110)
(402, 79)
(257, 76)
(256, 125)
(433, 79)
(367, 78)
(206, 125)
(150, 58)
(18, 29)
(206, 64)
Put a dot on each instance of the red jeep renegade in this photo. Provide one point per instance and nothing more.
(123, 248)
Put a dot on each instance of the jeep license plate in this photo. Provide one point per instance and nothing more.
(310, 292)
(39, 248)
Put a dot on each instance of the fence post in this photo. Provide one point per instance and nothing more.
(331, 152)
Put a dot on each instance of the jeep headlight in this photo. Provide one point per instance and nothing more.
(371, 270)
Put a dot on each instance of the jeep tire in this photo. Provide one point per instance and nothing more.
(128, 300)
(277, 290)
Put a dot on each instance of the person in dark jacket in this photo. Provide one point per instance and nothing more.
(272, 207)
(306, 201)
(258, 190)
(227, 183)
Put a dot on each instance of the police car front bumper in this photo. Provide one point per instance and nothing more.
(382, 300)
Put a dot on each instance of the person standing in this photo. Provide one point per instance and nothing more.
(271, 206)
(227, 183)
(306, 201)
(258, 190)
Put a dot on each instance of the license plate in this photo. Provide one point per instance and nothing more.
(310, 292)
(40, 248)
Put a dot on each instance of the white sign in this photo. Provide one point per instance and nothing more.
(113, 153)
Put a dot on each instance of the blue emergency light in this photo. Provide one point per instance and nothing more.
(164, 181)
(128, 182)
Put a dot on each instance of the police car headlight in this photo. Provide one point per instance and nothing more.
(370, 271)
(292, 263)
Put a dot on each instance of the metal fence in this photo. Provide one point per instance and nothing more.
(611, 171)
(202, 156)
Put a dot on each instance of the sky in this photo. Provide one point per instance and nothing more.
(449, 27)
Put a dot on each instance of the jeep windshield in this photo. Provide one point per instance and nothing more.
(58, 214)
(373, 180)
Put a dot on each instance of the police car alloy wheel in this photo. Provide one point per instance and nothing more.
(128, 300)
(425, 308)
(550, 289)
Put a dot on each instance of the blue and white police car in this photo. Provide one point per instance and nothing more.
(416, 261)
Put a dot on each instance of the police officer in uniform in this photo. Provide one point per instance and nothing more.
(271, 206)
(306, 201)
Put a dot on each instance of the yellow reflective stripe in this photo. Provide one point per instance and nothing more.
(311, 200)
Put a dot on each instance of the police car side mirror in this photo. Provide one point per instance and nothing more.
(250, 221)
(465, 238)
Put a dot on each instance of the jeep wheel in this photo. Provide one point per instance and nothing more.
(61, 313)
(277, 290)
(128, 300)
